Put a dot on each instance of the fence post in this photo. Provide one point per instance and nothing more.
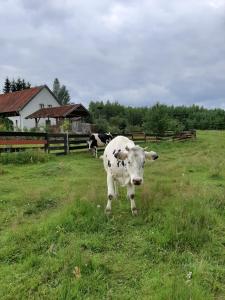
(66, 143)
(195, 135)
(47, 143)
(145, 137)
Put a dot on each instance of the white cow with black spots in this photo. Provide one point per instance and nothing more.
(124, 164)
(98, 140)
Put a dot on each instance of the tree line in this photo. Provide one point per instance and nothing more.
(156, 119)
(117, 118)
(13, 85)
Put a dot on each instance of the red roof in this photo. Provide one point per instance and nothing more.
(64, 111)
(14, 102)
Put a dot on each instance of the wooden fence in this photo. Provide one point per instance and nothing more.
(62, 143)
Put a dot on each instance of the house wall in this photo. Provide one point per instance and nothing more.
(44, 97)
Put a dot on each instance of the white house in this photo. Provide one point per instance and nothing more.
(18, 105)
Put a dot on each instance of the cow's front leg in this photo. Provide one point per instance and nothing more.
(130, 195)
(115, 189)
(111, 193)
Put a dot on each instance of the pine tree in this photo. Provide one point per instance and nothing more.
(19, 85)
(7, 86)
(28, 85)
(56, 87)
(24, 85)
(13, 86)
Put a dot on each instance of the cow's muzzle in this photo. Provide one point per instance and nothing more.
(154, 157)
(136, 181)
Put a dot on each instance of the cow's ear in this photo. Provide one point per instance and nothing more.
(121, 155)
(151, 155)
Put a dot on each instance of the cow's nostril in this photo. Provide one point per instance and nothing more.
(137, 181)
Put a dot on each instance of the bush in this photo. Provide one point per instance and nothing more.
(175, 125)
(6, 124)
(101, 125)
(24, 157)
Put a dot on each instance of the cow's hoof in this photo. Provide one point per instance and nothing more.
(134, 211)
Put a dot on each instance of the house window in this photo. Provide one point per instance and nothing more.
(42, 105)
(49, 105)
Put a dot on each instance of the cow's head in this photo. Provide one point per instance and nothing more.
(134, 160)
(109, 135)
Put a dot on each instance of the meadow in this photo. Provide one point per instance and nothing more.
(57, 243)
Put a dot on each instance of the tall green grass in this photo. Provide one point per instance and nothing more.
(57, 243)
(24, 157)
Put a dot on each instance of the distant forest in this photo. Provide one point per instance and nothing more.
(156, 119)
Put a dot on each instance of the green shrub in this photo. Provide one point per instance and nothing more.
(24, 157)
(6, 124)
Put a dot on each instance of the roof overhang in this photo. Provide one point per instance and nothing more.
(65, 111)
(9, 114)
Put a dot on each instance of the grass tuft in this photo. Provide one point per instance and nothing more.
(24, 157)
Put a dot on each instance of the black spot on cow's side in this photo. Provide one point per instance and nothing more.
(109, 163)
(114, 151)
(105, 137)
(120, 162)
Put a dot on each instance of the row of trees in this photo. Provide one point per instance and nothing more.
(156, 119)
(15, 85)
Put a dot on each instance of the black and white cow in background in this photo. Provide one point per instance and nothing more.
(98, 140)
(124, 164)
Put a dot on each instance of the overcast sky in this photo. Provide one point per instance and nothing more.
(133, 52)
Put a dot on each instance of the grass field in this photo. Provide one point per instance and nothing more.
(57, 243)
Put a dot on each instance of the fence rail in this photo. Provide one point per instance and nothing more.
(63, 143)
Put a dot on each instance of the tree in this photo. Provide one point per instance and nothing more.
(13, 86)
(56, 87)
(63, 96)
(6, 88)
(25, 85)
(61, 92)
(157, 119)
(19, 84)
